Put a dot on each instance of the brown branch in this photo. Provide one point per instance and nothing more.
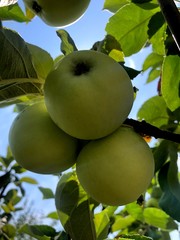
(172, 17)
(150, 130)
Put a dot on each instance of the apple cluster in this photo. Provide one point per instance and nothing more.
(87, 98)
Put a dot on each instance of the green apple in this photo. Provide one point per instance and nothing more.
(38, 145)
(116, 169)
(88, 95)
(58, 12)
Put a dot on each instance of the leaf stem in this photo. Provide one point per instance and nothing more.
(172, 17)
(150, 130)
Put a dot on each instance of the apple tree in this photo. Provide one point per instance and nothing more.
(24, 67)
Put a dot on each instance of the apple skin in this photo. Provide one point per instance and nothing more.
(38, 145)
(88, 95)
(117, 169)
(58, 13)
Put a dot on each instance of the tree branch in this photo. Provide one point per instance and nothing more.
(150, 130)
(172, 17)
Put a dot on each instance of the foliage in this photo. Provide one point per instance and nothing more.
(134, 25)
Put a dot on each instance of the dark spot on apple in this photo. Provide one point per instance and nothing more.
(36, 7)
(81, 68)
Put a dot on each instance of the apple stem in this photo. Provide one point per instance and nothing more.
(150, 130)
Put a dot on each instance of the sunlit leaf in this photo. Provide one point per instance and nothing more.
(67, 43)
(53, 215)
(42, 60)
(135, 210)
(12, 12)
(129, 25)
(122, 222)
(102, 224)
(158, 218)
(154, 111)
(171, 81)
(114, 5)
(28, 180)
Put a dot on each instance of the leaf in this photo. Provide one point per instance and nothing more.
(12, 12)
(9, 230)
(168, 202)
(73, 208)
(129, 26)
(158, 218)
(53, 215)
(40, 232)
(122, 222)
(157, 33)
(153, 60)
(171, 81)
(161, 154)
(28, 180)
(5, 179)
(67, 43)
(154, 111)
(113, 6)
(134, 237)
(20, 77)
(42, 61)
(110, 46)
(173, 179)
(47, 192)
(153, 74)
(102, 224)
(135, 210)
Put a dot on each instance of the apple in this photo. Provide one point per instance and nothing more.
(117, 169)
(58, 12)
(38, 145)
(88, 95)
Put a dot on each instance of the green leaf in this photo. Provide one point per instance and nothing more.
(153, 74)
(168, 202)
(135, 210)
(73, 208)
(42, 61)
(67, 43)
(40, 232)
(173, 179)
(153, 60)
(28, 180)
(47, 192)
(154, 111)
(114, 5)
(134, 237)
(20, 77)
(12, 12)
(129, 26)
(102, 224)
(5, 179)
(9, 230)
(122, 222)
(158, 218)
(161, 154)
(157, 33)
(171, 81)
(53, 215)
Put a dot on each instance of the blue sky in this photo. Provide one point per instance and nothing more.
(89, 29)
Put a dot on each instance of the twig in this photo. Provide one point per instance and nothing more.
(150, 130)
(172, 17)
